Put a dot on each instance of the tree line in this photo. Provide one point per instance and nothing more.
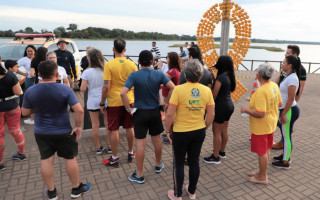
(103, 33)
(100, 33)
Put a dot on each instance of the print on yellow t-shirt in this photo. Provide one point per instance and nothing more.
(117, 71)
(191, 100)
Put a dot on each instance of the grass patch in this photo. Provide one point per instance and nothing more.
(274, 49)
(177, 45)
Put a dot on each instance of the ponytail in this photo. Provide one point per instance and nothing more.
(2, 70)
(296, 67)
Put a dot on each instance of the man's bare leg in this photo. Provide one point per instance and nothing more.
(47, 172)
(72, 169)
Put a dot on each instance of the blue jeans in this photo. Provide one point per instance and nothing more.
(29, 82)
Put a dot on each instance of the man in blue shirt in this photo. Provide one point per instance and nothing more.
(147, 117)
(53, 132)
(65, 59)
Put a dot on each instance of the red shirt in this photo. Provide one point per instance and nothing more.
(175, 75)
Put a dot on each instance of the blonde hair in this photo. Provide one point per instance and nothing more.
(95, 58)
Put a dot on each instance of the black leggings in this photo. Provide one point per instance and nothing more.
(191, 143)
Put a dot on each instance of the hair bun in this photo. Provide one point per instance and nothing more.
(269, 71)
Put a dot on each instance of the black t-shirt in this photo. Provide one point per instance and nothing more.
(205, 80)
(6, 84)
(84, 63)
(225, 89)
(303, 75)
(34, 64)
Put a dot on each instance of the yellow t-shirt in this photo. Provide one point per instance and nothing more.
(266, 99)
(117, 71)
(191, 100)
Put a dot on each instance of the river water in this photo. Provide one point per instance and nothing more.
(309, 53)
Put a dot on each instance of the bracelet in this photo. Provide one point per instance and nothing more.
(128, 109)
(102, 104)
(168, 131)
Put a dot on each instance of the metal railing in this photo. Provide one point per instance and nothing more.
(312, 67)
(249, 65)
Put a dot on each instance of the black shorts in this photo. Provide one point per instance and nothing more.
(65, 145)
(223, 112)
(144, 120)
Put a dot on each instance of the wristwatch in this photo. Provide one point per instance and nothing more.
(102, 104)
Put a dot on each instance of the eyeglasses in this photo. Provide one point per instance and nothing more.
(52, 57)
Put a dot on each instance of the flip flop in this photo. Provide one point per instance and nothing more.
(252, 173)
(254, 180)
(191, 196)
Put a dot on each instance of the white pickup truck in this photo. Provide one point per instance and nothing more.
(14, 50)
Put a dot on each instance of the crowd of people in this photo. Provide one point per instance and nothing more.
(135, 97)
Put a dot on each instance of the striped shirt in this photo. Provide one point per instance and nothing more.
(157, 51)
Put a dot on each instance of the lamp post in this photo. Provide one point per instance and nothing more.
(224, 42)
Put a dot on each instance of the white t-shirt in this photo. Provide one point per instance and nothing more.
(185, 49)
(94, 76)
(291, 80)
(164, 68)
(62, 74)
(26, 63)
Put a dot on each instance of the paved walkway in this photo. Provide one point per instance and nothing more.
(22, 180)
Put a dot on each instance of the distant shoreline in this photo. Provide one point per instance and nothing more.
(274, 49)
(216, 39)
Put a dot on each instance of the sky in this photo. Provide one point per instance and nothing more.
(271, 19)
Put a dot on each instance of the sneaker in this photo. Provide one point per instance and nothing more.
(81, 189)
(191, 196)
(134, 178)
(22, 128)
(172, 197)
(111, 162)
(280, 164)
(52, 195)
(2, 167)
(99, 150)
(158, 169)
(166, 140)
(222, 154)
(18, 156)
(280, 158)
(212, 160)
(109, 150)
(131, 157)
(29, 121)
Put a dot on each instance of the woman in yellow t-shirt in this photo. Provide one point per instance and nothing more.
(187, 107)
(263, 111)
